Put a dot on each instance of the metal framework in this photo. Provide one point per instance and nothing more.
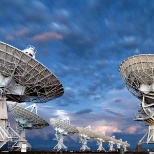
(62, 128)
(138, 74)
(7, 134)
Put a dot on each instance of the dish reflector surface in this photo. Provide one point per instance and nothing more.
(24, 79)
(57, 123)
(28, 119)
(138, 74)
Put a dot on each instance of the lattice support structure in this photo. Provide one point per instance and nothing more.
(6, 132)
(83, 141)
(146, 115)
(21, 143)
(60, 138)
(148, 137)
(100, 144)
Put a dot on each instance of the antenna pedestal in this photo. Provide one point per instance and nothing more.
(100, 145)
(125, 148)
(83, 141)
(3, 111)
(22, 142)
(60, 137)
(111, 146)
(149, 136)
(6, 132)
(146, 115)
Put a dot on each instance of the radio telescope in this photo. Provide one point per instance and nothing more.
(85, 135)
(26, 119)
(138, 74)
(23, 79)
(62, 128)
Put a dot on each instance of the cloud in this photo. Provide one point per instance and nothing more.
(61, 114)
(47, 36)
(9, 37)
(133, 129)
(17, 34)
(85, 111)
(108, 129)
(21, 32)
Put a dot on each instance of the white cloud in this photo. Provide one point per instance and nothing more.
(61, 114)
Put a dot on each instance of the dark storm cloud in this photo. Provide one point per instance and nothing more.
(115, 114)
(69, 98)
(93, 116)
(85, 111)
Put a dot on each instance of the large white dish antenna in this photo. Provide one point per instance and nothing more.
(137, 72)
(24, 79)
(62, 128)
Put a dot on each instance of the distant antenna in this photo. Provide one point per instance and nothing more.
(111, 142)
(101, 138)
(62, 128)
(26, 119)
(85, 135)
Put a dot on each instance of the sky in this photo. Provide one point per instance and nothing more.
(83, 43)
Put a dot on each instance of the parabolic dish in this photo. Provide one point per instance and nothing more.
(27, 119)
(138, 74)
(57, 123)
(87, 132)
(24, 79)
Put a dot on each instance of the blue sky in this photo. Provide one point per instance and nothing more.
(83, 44)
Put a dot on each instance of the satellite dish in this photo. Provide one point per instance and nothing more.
(85, 135)
(138, 74)
(23, 79)
(26, 119)
(62, 128)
